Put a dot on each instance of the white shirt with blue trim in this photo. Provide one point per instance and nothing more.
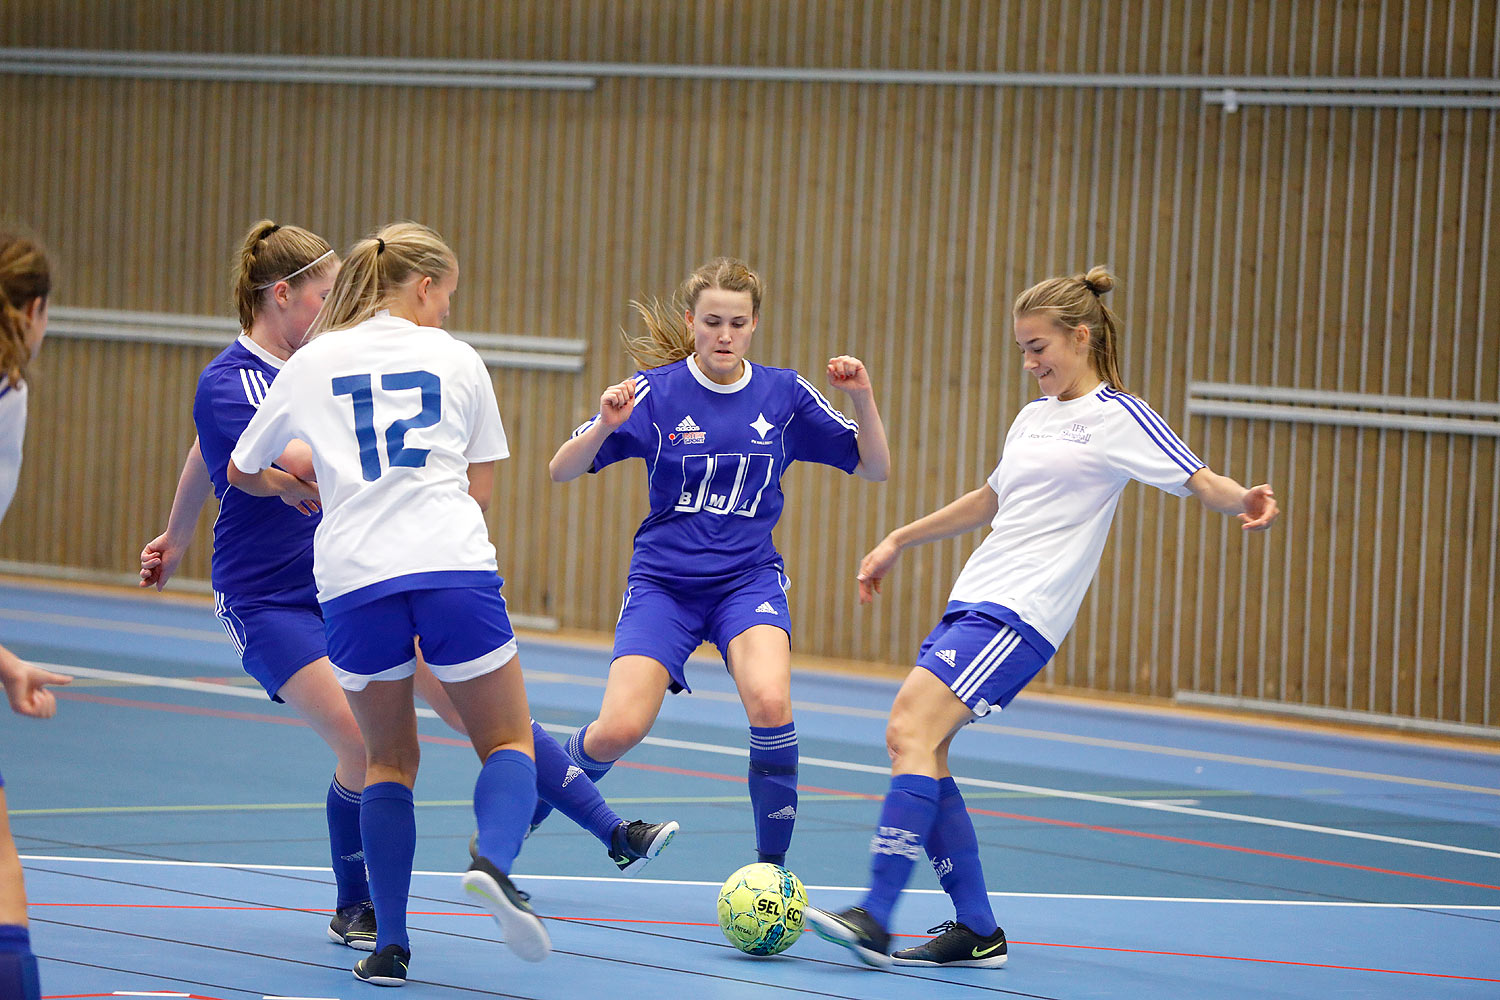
(12, 438)
(394, 413)
(1060, 476)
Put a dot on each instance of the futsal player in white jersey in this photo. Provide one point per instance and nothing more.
(405, 433)
(25, 284)
(716, 434)
(1049, 502)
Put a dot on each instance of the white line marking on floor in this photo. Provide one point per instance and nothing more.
(693, 883)
(842, 765)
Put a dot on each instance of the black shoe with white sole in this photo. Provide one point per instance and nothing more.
(853, 929)
(474, 854)
(956, 945)
(637, 842)
(387, 967)
(354, 926)
(520, 927)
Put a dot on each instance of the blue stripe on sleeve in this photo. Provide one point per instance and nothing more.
(1157, 430)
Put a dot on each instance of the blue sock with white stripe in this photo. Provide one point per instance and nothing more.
(562, 783)
(906, 819)
(388, 821)
(595, 769)
(18, 976)
(346, 845)
(773, 789)
(504, 797)
(954, 851)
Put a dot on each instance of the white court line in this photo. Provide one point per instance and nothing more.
(842, 765)
(218, 636)
(695, 883)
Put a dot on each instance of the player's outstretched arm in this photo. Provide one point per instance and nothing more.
(1255, 507)
(576, 455)
(160, 557)
(849, 374)
(970, 511)
(26, 686)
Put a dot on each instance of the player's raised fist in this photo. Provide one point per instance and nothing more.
(617, 403)
(848, 373)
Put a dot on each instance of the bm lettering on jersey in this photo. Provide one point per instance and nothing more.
(724, 484)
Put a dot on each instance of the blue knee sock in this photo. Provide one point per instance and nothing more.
(773, 789)
(388, 822)
(905, 821)
(504, 797)
(595, 769)
(954, 851)
(346, 845)
(17, 964)
(562, 783)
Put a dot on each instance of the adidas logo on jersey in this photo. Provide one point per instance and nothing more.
(765, 609)
(785, 812)
(687, 425)
(573, 771)
(948, 656)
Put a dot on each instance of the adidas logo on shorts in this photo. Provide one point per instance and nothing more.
(765, 609)
(948, 656)
(573, 771)
(687, 425)
(785, 812)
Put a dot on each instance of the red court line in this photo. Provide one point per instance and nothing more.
(695, 923)
(742, 779)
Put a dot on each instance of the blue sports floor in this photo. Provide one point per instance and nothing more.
(170, 819)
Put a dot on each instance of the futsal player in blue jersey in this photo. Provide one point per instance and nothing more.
(405, 433)
(25, 284)
(264, 594)
(1049, 502)
(716, 433)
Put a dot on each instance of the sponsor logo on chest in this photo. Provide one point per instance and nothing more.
(1076, 433)
(687, 432)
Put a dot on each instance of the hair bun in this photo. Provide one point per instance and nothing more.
(1099, 280)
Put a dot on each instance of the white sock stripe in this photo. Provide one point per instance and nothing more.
(1001, 655)
(973, 664)
(780, 744)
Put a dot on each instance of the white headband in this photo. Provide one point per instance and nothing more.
(304, 267)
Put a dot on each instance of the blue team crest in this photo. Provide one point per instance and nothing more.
(687, 432)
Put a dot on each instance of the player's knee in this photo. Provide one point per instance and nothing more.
(611, 738)
(905, 738)
(768, 709)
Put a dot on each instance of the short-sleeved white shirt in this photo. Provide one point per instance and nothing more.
(12, 437)
(1060, 476)
(395, 413)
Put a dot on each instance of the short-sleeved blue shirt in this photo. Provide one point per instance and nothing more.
(715, 455)
(262, 546)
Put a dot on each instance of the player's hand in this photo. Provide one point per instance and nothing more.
(1260, 508)
(617, 403)
(874, 567)
(25, 686)
(159, 561)
(848, 373)
(301, 494)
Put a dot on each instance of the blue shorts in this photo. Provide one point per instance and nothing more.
(465, 632)
(668, 624)
(275, 638)
(985, 662)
